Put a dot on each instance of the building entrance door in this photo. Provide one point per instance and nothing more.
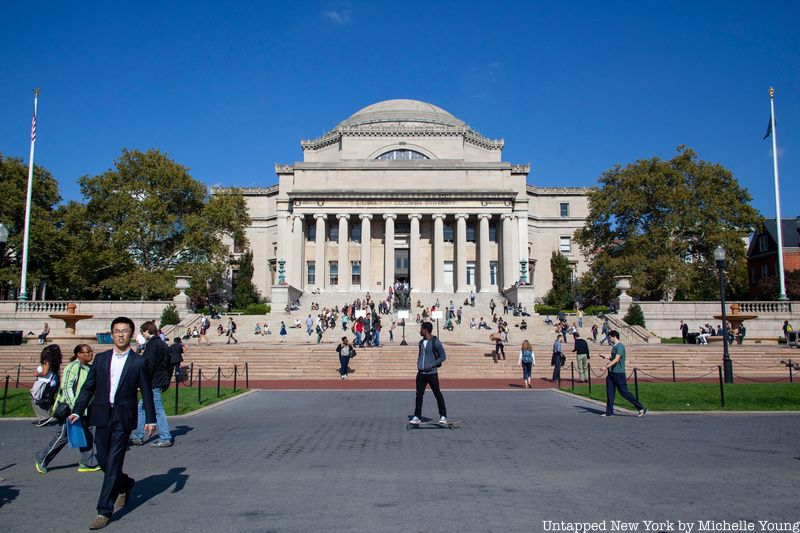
(401, 265)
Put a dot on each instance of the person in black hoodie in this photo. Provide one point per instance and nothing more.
(157, 363)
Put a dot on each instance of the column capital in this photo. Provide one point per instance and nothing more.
(412, 216)
(320, 215)
(365, 216)
(438, 215)
(461, 215)
(508, 216)
(487, 216)
(387, 216)
(341, 216)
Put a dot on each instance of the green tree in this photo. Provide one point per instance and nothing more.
(153, 220)
(244, 292)
(635, 316)
(659, 221)
(561, 294)
(43, 230)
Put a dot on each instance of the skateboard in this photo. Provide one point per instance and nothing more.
(452, 424)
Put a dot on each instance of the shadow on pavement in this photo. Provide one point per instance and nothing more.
(62, 467)
(152, 486)
(592, 410)
(8, 466)
(7, 494)
(180, 431)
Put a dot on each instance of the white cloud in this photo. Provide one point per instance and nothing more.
(341, 16)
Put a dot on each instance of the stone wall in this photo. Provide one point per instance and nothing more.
(664, 318)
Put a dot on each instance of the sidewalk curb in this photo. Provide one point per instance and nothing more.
(695, 413)
(214, 405)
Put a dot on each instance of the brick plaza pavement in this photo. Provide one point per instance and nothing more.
(343, 461)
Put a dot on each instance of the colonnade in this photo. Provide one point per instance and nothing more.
(512, 247)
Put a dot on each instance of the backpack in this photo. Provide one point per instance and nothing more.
(43, 393)
(233, 326)
(527, 357)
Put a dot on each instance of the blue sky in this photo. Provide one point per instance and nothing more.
(229, 89)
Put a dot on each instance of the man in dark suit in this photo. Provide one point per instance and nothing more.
(110, 393)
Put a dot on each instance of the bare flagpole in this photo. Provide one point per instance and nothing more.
(23, 292)
(782, 295)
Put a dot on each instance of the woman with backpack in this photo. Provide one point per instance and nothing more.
(46, 385)
(526, 360)
(345, 351)
(74, 376)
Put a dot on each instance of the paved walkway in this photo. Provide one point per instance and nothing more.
(343, 461)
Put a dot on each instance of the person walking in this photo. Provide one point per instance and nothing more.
(430, 358)
(392, 327)
(615, 379)
(111, 389)
(594, 333)
(684, 332)
(72, 380)
(492, 305)
(157, 362)
(499, 345)
(283, 331)
(345, 351)
(205, 324)
(555, 360)
(582, 349)
(526, 360)
(44, 389)
(604, 330)
(231, 331)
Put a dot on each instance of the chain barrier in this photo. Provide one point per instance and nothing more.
(749, 366)
(781, 380)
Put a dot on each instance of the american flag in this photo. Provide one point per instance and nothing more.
(33, 129)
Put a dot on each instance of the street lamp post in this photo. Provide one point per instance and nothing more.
(719, 257)
(3, 241)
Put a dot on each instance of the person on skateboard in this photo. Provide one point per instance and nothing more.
(430, 358)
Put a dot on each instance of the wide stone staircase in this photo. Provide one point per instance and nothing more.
(299, 361)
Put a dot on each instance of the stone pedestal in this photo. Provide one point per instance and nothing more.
(181, 300)
(624, 300)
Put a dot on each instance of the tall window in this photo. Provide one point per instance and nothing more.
(355, 268)
(334, 233)
(311, 268)
(333, 267)
(492, 272)
(355, 233)
(564, 209)
(470, 272)
(565, 245)
(311, 230)
(402, 154)
(763, 243)
(448, 232)
(470, 232)
(492, 232)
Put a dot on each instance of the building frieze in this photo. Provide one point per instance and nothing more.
(470, 136)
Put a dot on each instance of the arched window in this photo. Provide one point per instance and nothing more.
(403, 154)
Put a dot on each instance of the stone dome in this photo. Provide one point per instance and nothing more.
(401, 110)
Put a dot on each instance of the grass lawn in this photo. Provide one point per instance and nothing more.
(18, 403)
(705, 396)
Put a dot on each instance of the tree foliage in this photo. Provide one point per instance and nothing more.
(635, 316)
(148, 220)
(561, 294)
(659, 221)
(769, 288)
(43, 229)
(244, 292)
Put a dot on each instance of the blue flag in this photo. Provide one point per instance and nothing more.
(769, 129)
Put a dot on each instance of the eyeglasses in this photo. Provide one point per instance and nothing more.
(121, 331)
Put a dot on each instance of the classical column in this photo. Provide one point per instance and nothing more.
(461, 253)
(282, 236)
(366, 249)
(388, 251)
(483, 252)
(344, 253)
(299, 244)
(415, 270)
(508, 252)
(319, 247)
(438, 253)
(523, 247)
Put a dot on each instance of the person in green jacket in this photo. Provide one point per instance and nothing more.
(71, 382)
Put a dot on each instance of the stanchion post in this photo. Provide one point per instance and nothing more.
(790, 371)
(19, 367)
(246, 376)
(234, 378)
(636, 382)
(721, 388)
(572, 372)
(177, 385)
(219, 371)
(589, 375)
(191, 374)
(5, 393)
(199, 385)
(673, 371)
